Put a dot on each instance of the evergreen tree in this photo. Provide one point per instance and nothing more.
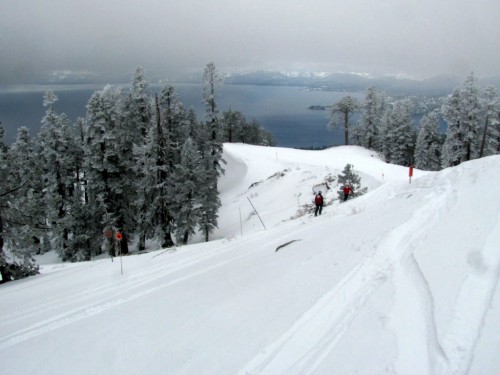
(452, 147)
(267, 138)
(137, 120)
(28, 201)
(161, 155)
(210, 152)
(58, 156)
(188, 180)
(208, 198)
(175, 124)
(21, 216)
(462, 113)
(349, 178)
(232, 125)
(428, 146)
(471, 109)
(371, 118)
(490, 144)
(102, 163)
(211, 82)
(341, 113)
(399, 138)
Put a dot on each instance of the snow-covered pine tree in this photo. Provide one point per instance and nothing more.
(341, 112)
(232, 125)
(195, 128)
(175, 124)
(490, 144)
(471, 119)
(161, 154)
(452, 147)
(20, 229)
(57, 153)
(210, 152)
(350, 178)
(27, 225)
(252, 132)
(399, 136)
(5, 191)
(462, 113)
(372, 111)
(188, 180)
(428, 146)
(208, 196)
(137, 121)
(211, 82)
(83, 219)
(102, 159)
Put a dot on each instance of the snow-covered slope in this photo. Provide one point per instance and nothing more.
(402, 280)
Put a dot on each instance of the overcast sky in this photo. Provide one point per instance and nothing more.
(417, 38)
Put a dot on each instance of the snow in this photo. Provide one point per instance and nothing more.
(402, 280)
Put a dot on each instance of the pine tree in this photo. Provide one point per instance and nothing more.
(341, 113)
(208, 197)
(452, 147)
(188, 182)
(471, 108)
(398, 142)
(210, 151)
(428, 146)
(19, 228)
(102, 160)
(57, 153)
(490, 144)
(211, 82)
(137, 121)
(5, 192)
(349, 178)
(462, 113)
(161, 154)
(27, 203)
(371, 118)
(232, 125)
(174, 123)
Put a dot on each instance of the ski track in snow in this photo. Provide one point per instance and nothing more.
(316, 333)
(476, 293)
(106, 293)
(414, 303)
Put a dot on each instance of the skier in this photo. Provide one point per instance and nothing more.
(318, 201)
(347, 190)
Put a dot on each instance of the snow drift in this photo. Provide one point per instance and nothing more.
(402, 280)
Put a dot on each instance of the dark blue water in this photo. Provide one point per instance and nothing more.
(281, 110)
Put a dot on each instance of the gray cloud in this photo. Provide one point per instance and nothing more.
(109, 38)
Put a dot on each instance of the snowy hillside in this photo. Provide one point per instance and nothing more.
(402, 280)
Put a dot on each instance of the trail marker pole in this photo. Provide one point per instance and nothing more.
(119, 237)
(410, 172)
(257, 214)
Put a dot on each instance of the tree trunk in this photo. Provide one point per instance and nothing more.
(124, 244)
(483, 142)
(142, 242)
(167, 240)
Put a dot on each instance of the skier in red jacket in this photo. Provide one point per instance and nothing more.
(318, 201)
(347, 190)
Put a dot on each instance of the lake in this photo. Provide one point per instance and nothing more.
(283, 110)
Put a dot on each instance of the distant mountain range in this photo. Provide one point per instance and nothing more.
(435, 86)
(391, 85)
